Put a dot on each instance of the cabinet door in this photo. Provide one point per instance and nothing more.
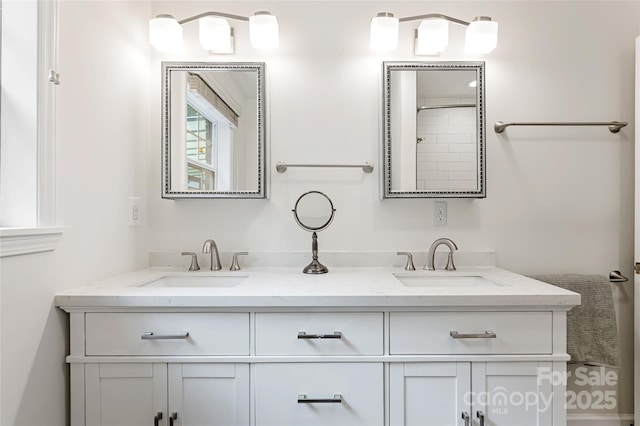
(429, 394)
(319, 394)
(125, 394)
(209, 394)
(512, 393)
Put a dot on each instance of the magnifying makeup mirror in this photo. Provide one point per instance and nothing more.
(314, 212)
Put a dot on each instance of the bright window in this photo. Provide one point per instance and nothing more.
(27, 126)
(209, 139)
(200, 150)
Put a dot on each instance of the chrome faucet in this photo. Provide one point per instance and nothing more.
(432, 253)
(211, 247)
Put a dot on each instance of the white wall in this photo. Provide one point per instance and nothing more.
(559, 199)
(102, 152)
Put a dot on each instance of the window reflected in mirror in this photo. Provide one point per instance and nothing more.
(213, 130)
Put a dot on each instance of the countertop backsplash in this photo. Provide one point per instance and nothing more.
(386, 259)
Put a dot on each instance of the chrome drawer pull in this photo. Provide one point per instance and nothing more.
(466, 418)
(480, 415)
(173, 417)
(149, 335)
(486, 335)
(303, 399)
(335, 335)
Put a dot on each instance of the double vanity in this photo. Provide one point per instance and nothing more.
(357, 346)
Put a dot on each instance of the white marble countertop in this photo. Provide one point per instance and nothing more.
(356, 287)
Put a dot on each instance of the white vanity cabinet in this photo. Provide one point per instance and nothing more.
(482, 392)
(470, 393)
(143, 368)
(294, 393)
(160, 394)
(356, 348)
(319, 394)
(124, 394)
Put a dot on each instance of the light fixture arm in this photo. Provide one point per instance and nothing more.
(435, 16)
(445, 17)
(222, 14)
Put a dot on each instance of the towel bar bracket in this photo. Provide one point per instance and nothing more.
(617, 277)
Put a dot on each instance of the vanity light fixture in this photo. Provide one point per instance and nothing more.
(432, 35)
(384, 32)
(165, 32)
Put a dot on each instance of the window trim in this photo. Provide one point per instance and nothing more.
(48, 80)
(20, 241)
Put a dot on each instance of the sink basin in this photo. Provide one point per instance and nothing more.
(445, 281)
(196, 281)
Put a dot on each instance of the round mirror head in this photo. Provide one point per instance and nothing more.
(313, 211)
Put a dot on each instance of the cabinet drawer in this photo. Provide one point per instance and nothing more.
(319, 394)
(319, 333)
(413, 333)
(128, 334)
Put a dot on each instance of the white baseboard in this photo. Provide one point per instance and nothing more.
(599, 419)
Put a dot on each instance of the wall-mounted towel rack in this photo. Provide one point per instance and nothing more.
(282, 167)
(614, 126)
(617, 277)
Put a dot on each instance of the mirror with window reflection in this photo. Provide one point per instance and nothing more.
(433, 138)
(213, 130)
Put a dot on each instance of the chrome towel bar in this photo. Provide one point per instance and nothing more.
(614, 126)
(282, 167)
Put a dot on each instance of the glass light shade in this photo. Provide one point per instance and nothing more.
(433, 36)
(384, 32)
(165, 34)
(215, 34)
(481, 37)
(263, 31)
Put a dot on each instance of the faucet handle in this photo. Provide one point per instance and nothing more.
(194, 260)
(409, 266)
(450, 265)
(235, 266)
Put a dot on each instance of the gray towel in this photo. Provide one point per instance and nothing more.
(592, 332)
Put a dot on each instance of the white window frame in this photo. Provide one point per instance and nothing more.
(44, 236)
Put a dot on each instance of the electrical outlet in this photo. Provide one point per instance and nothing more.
(440, 213)
(134, 211)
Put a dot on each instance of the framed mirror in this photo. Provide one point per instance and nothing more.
(433, 130)
(213, 130)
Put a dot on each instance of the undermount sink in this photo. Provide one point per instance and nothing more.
(445, 281)
(196, 281)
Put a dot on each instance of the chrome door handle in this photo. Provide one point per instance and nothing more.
(480, 415)
(486, 335)
(466, 418)
(303, 399)
(150, 335)
(157, 418)
(174, 416)
(335, 335)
